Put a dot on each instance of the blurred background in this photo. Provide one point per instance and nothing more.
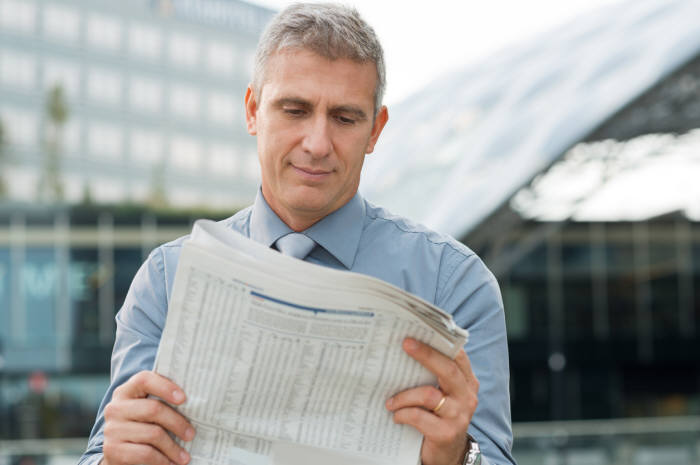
(559, 140)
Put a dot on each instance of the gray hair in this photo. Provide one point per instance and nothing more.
(330, 30)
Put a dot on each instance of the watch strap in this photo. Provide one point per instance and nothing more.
(473, 455)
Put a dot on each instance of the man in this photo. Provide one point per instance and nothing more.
(315, 107)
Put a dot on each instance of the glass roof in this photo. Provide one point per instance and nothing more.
(609, 180)
(455, 151)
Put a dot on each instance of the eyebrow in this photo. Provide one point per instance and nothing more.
(291, 101)
(358, 113)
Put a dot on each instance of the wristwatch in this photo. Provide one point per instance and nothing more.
(473, 455)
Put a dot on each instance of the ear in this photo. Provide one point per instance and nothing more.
(251, 110)
(379, 123)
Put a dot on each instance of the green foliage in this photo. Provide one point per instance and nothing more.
(56, 106)
(157, 197)
(50, 187)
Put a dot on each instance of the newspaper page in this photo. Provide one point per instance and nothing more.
(289, 363)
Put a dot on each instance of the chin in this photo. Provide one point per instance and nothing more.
(304, 200)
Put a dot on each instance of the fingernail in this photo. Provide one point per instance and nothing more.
(179, 396)
(411, 344)
(189, 434)
(184, 457)
(389, 403)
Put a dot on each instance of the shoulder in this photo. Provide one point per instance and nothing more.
(418, 259)
(164, 258)
(379, 220)
(456, 274)
(237, 222)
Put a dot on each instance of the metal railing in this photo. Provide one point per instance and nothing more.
(629, 441)
(634, 441)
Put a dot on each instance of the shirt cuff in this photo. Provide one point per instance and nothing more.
(92, 459)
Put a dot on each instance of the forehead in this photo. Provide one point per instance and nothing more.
(305, 74)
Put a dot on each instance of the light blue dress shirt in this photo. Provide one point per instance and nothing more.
(362, 238)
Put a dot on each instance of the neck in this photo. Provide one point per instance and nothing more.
(297, 221)
(297, 224)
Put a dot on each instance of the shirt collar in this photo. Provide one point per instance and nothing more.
(339, 233)
(265, 226)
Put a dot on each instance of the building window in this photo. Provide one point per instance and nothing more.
(186, 153)
(221, 58)
(18, 15)
(21, 125)
(145, 94)
(222, 109)
(144, 41)
(107, 190)
(146, 146)
(184, 50)
(186, 196)
(64, 74)
(104, 32)
(104, 86)
(104, 141)
(18, 70)
(185, 101)
(72, 136)
(223, 159)
(23, 185)
(61, 22)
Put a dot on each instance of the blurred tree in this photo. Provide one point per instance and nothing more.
(50, 187)
(3, 160)
(87, 194)
(157, 197)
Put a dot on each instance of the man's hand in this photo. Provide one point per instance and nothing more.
(443, 423)
(136, 427)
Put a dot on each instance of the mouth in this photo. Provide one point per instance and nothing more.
(314, 174)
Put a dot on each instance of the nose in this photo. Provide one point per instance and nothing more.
(317, 140)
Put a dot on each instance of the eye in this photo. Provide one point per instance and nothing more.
(296, 112)
(345, 120)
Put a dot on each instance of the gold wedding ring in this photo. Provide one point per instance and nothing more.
(440, 404)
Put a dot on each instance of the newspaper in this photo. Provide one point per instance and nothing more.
(288, 363)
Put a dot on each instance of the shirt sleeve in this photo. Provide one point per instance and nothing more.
(470, 292)
(140, 323)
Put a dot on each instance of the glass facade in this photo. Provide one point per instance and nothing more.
(63, 275)
(104, 103)
(153, 92)
(597, 257)
(457, 150)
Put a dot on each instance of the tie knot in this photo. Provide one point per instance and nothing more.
(295, 245)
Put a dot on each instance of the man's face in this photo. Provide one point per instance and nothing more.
(314, 123)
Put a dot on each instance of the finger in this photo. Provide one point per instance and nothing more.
(155, 411)
(427, 397)
(450, 377)
(422, 420)
(434, 429)
(465, 365)
(147, 383)
(129, 453)
(155, 436)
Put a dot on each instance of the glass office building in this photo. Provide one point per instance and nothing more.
(149, 109)
(599, 261)
(569, 164)
(153, 92)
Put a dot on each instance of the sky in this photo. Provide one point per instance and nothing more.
(424, 39)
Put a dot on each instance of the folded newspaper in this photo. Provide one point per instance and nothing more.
(289, 363)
